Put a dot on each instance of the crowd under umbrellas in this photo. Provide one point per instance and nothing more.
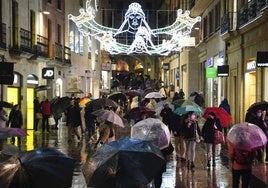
(135, 155)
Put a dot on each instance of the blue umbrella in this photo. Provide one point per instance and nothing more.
(188, 108)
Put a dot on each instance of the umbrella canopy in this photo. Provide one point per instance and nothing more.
(262, 105)
(116, 96)
(160, 105)
(246, 136)
(6, 104)
(83, 101)
(152, 129)
(188, 108)
(221, 114)
(74, 90)
(154, 94)
(101, 103)
(6, 132)
(109, 115)
(42, 88)
(59, 105)
(184, 102)
(132, 93)
(44, 167)
(135, 113)
(125, 162)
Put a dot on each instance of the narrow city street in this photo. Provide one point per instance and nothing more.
(177, 174)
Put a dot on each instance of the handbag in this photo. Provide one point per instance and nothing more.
(168, 150)
(218, 137)
(38, 115)
(51, 121)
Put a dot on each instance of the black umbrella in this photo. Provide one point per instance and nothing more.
(42, 168)
(117, 96)
(42, 88)
(262, 105)
(60, 104)
(126, 162)
(6, 104)
(101, 103)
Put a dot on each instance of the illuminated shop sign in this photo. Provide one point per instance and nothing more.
(48, 73)
(223, 71)
(211, 72)
(262, 59)
(251, 66)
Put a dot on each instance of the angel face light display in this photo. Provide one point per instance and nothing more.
(135, 24)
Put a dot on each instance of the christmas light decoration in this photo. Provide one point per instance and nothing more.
(177, 35)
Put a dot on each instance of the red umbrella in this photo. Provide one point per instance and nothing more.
(246, 136)
(136, 112)
(220, 113)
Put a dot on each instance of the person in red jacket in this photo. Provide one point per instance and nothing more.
(46, 112)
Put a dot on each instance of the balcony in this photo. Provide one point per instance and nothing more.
(22, 43)
(41, 48)
(252, 10)
(3, 36)
(245, 15)
(62, 55)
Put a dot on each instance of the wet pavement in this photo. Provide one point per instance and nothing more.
(177, 174)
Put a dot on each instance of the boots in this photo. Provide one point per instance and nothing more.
(208, 164)
(213, 163)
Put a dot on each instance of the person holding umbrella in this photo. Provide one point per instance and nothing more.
(15, 120)
(211, 124)
(190, 131)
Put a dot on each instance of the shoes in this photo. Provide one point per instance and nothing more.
(192, 165)
(208, 164)
(213, 163)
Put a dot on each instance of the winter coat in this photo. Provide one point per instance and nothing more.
(15, 119)
(177, 124)
(208, 129)
(73, 116)
(189, 131)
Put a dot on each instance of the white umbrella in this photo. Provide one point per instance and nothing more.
(155, 95)
(109, 115)
(152, 129)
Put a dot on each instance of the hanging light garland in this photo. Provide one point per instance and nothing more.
(177, 34)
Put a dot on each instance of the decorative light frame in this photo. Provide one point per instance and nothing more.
(178, 33)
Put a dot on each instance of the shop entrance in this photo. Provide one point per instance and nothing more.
(250, 89)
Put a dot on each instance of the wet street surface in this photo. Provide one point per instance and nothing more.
(177, 174)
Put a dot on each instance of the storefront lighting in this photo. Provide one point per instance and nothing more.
(136, 24)
(46, 12)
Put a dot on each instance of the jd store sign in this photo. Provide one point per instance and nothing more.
(48, 73)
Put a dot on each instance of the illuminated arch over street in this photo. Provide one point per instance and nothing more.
(177, 34)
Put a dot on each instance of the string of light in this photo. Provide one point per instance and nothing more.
(177, 35)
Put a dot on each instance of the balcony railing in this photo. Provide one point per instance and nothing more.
(234, 20)
(41, 47)
(250, 11)
(26, 40)
(3, 36)
(62, 54)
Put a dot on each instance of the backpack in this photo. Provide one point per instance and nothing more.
(243, 157)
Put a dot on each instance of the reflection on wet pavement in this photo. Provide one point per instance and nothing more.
(177, 174)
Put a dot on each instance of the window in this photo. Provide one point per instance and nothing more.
(59, 5)
(75, 39)
(59, 33)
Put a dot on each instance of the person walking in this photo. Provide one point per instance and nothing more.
(3, 123)
(166, 114)
(37, 113)
(225, 105)
(15, 121)
(191, 131)
(176, 128)
(46, 110)
(90, 121)
(241, 166)
(211, 124)
(108, 134)
(73, 120)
